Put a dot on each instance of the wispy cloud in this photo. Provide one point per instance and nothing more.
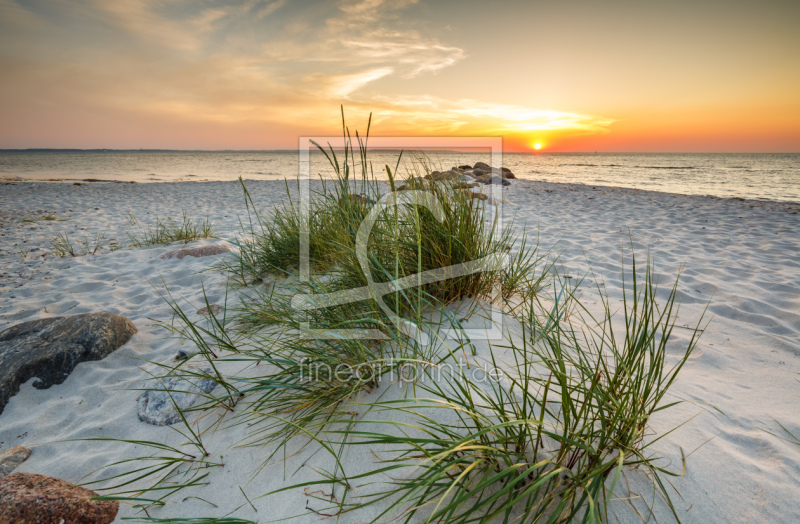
(267, 61)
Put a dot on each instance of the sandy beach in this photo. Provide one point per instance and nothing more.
(738, 257)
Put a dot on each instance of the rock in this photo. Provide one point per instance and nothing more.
(11, 458)
(447, 175)
(465, 168)
(507, 173)
(478, 172)
(157, 407)
(203, 251)
(473, 195)
(50, 348)
(216, 309)
(28, 498)
(483, 179)
(481, 165)
(495, 179)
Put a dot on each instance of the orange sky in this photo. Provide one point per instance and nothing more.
(254, 74)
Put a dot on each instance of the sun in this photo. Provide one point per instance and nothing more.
(537, 146)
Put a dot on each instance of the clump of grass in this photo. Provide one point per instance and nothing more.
(64, 246)
(167, 231)
(407, 238)
(548, 441)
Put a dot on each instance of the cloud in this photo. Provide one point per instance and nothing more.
(267, 62)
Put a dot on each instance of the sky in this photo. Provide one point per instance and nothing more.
(621, 76)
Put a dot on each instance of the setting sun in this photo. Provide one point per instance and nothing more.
(537, 145)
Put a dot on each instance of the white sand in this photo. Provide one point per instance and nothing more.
(743, 256)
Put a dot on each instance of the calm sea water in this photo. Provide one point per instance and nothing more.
(763, 176)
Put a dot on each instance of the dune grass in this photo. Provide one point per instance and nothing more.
(167, 231)
(64, 246)
(545, 441)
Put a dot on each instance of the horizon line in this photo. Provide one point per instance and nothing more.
(388, 149)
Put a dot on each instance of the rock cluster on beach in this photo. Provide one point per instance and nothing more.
(31, 498)
(480, 172)
(50, 348)
(466, 176)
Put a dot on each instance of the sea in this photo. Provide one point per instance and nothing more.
(751, 176)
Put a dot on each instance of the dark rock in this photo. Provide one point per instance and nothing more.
(494, 179)
(50, 348)
(483, 179)
(157, 406)
(477, 172)
(26, 498)
(507, 173)
(11, 458)
(465, 168)
(482, 165)
(203, 251)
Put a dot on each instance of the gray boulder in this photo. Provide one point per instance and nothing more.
(157, 406)
(482, 165)
(478, 172)
(50, 348)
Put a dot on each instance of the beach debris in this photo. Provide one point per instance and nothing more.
(50, 348)
(11, 458)
(215, 309)
(27, 497)
(158, 406)
(202, 251)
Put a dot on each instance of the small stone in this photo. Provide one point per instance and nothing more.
(28, 498)
(157, 406)
(203, 251)
(11, 458)
(475, 196)
(215, 309)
